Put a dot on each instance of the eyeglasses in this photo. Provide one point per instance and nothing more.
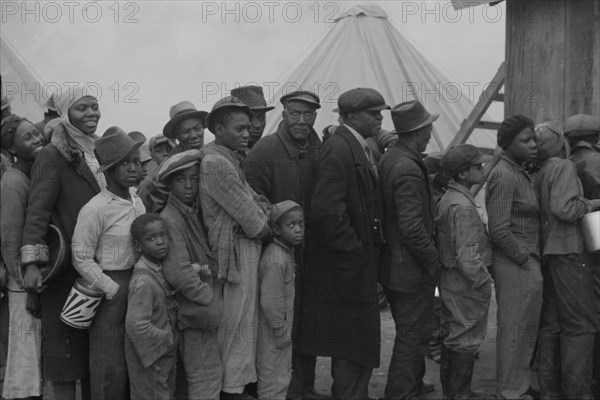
(197, 129)
(309, 115)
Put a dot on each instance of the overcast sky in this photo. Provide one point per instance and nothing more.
(148, 55)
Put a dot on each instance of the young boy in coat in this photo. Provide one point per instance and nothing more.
(465, 285)
(276, 298)
(151, 342)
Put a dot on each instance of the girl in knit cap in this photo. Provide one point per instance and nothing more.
(64, 177)
(569, 320)
(23, 376)
(514, 225)
(276, 298)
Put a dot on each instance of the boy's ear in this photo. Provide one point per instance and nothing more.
(138, 246)
(276, 230)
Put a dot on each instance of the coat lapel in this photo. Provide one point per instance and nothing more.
(360, 158)
(84, 171)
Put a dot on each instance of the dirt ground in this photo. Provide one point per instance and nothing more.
(483, 378)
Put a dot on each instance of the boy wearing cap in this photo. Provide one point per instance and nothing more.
(341, 312)
(186, 124)
(237, 220)
(104, 254)
(151, 342)
(276, 298)
(198, 296)
(569, 318)
(465, 285)
(283, 166)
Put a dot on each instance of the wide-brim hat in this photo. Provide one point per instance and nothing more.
(113, 147)
(410, 116)
(180, 112)
(360, 99)
(57, 250)
(226, 102)
(253, 97)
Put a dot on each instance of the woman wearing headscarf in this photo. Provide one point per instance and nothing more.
(64, 178)
(514, 225)
(23, 376)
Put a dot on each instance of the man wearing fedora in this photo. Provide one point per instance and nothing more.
(186, 124)
(583, 133)
(340, 315)
(236, 219)
(410, 264)
(283, 166)
(253, 97)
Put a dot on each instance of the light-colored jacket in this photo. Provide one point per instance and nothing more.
(461, 235)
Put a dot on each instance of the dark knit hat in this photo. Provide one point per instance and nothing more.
(511, 127)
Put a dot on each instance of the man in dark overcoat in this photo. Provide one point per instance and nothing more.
(410, 264)
(341, 313)
(283, 166)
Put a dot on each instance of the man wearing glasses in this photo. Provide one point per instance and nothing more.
(186, 124)
(283, 166)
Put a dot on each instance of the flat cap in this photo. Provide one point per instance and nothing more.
(581, 125)
(302, 95)
(178, 162)
(360, 99)
(461, 157)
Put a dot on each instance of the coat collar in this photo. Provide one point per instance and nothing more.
(292, 147)
(71, 152)
(409, 150)
(358, 151)
(462, 190)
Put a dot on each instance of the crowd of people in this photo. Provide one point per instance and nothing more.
(224, 270)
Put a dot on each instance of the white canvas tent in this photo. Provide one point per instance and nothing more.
(23, 86)
(363, 49)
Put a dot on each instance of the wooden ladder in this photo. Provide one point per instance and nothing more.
(473, 121)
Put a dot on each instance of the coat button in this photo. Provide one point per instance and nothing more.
(68, 356)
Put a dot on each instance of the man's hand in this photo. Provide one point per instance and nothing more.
(32, 280)
(202, 270)
(3, 276)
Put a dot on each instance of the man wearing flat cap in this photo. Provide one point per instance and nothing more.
(410, 264)
(340, 315)
(253, 97)
(583, 133)
(283, 166)
(236, 219)
(186, 124)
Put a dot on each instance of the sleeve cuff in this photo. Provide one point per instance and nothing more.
(34, 253)
(111, 290)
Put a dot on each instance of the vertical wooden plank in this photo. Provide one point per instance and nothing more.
(579, 57)
(548, 54)
(596, 70)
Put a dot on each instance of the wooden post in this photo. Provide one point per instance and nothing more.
(553, 58)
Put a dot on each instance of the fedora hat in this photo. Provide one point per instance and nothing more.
(114, 146)
(410, 116)
(360, 99)
(180, 112)
(226, 102)
(253, 97)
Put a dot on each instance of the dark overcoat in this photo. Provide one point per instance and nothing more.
(341, 314)
(409, 259)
